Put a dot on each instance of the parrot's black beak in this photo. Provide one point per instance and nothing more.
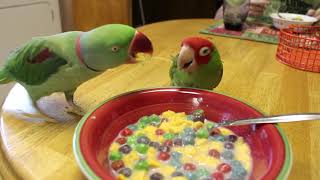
(139, 44)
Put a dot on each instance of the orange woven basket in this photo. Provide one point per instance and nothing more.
(299, 47)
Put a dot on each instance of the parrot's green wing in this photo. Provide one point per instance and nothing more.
(173, 67)
(33, 63)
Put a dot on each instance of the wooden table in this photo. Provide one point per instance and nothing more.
(39, 150)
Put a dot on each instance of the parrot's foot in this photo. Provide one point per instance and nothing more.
(75, 110)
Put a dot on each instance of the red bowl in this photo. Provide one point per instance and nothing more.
(269, 146)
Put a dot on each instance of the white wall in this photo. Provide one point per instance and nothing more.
(20, 21)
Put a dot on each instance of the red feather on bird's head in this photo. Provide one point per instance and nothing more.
(202, 48)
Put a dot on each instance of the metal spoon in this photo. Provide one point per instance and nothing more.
(272, 119)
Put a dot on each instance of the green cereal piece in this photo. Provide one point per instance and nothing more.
(168, 136)
(202, 172)
(142, 148)
(115, 155)
(142, 165)
(202, 133)
(154, 118)
(132, 140)
(144, 120)
(210, 124)
(141, 125)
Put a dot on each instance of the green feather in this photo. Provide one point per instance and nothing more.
(207, 76)
(4, 77)
(51, 64)
(23, 69)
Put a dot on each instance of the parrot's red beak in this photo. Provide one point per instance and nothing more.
(139, 44)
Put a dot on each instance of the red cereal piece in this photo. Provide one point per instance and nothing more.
(121, 140)
(214, 153)
(215, 131)
(163, 156)
(217, 176)
(159, 132)
(117, 165)
(189, 167)
(224, 167)
(168, 143)
(126, 132)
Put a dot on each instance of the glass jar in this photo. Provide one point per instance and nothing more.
(235, 13)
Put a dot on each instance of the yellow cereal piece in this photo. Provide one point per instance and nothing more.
(139, 175)
(153, 162)
(205, 160)
(179, 178)
(165, 126)
(168, 114)
(166, 170)
(215, 145)
(139, 131)
(190, 150)
(151, 153)
(175, 126)
(151, 157)
(121, 177)
(130, 158)
(197, 124)
(186, 159)
(225, 131)
(150, 129)
(200, 141)
(242, 154)
(114, 147)
(160, 139)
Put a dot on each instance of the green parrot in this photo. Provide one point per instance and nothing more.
(197, 65)
(62, 62)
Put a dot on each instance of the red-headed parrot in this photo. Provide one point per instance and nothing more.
(60, 63)
(197, 65)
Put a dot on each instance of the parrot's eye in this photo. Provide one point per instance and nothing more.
(115, 48)
(204, 51)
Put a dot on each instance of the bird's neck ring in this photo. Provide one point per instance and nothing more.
(79, 54)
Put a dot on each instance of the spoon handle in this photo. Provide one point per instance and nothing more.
(274, 119)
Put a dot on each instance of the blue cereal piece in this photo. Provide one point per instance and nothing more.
(133, 127)
(188, 140)
(176, 155)
(143, 140)
(227, 155)
(189, 132)
(217, 137)
(189, 117)
(175, 162)
(176, 174)
(238, 171)
(191, 176)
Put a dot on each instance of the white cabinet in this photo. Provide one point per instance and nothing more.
(20, 20)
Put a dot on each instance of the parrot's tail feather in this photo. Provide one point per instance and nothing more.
(4, 77)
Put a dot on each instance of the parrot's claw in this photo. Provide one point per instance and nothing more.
(75, 110)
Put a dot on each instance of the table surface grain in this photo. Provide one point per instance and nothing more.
(40, 150)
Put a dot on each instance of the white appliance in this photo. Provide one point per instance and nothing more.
(20, 20)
